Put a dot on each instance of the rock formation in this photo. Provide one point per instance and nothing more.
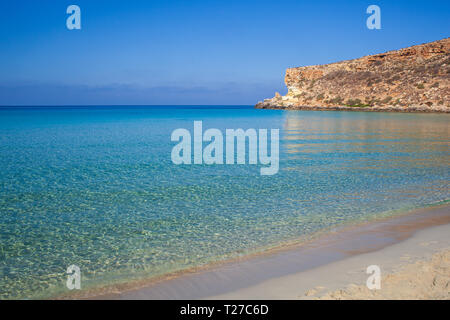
(412, 79)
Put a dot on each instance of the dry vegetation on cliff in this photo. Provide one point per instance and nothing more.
(410, 79)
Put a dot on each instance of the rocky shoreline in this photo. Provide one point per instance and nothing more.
(417, 109)
(413, 79)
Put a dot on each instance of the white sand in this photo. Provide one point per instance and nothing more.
(426, 279)
(408, 271)
(331, 266)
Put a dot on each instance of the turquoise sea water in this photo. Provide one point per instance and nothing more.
(95, 187)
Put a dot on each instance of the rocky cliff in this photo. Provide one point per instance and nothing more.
(411, 79)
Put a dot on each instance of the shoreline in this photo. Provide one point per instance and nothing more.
(223, 277)
(347, 108)
(426, 253)
(411, 79)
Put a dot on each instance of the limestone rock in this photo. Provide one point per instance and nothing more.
(414, 79)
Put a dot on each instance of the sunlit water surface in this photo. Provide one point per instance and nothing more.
(95, 187)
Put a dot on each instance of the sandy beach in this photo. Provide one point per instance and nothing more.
(424, 279)
(333, 266)
(416, 268)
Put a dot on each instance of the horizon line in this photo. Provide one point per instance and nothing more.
(126, 105)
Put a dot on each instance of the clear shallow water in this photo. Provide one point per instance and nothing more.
(95, 187)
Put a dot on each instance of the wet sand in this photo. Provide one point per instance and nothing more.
(416, 268)
(329, 262)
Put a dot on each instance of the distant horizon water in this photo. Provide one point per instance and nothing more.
(95, 187)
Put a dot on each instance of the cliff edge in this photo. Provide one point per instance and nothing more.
(412, 79)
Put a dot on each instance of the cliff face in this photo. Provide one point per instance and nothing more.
(411, 79)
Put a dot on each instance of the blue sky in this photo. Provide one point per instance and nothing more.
(190, 51)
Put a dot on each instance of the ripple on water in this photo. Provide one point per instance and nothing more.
(97, 188)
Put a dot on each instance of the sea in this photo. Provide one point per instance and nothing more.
(96, 187)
